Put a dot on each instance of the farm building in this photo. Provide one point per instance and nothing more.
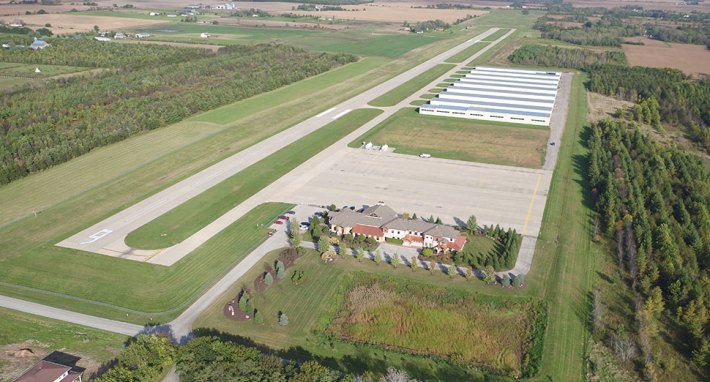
(499, 94)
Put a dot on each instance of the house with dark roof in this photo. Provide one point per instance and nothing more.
(382, 222)
(46, 371)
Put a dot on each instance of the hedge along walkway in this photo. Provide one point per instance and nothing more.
(189, 217)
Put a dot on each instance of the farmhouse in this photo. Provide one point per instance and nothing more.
(499, 94)
(45, 371)
(381, 222)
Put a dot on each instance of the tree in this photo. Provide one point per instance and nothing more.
(243, 302)
(377, 257)
(283, 319)
(432, 266)
(472, 225)
(489, 274)
(414, 263)
(452, 270)
(297, 277)
(268, 279)
(395, 375)
(505, 281)
(96, 29)
(280, 273)
(517, 283)
(323, 244)
(427, 252)
(294, 234)
(394, 259)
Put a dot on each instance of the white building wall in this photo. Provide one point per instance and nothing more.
(499, 117)
(436, 102)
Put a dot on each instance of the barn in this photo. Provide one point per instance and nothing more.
(499, 94)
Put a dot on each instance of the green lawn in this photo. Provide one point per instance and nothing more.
(46, 335)
(130, 290)
(403, 91)
(466, 53)
(179, 223)
(456, 138)
(563, 267)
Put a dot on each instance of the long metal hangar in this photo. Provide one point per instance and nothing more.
(499, 94)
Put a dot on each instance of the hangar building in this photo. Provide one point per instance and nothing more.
(499, 94)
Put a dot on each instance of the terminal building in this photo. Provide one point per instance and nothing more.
(499, 94)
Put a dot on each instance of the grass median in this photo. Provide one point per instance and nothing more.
(408, 88)
(186, 219)
(466, 53)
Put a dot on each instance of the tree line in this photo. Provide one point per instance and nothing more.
(43, 127)
(653, 202)
(608, 31)
(210, 358)
(555, 56)
(681, 100)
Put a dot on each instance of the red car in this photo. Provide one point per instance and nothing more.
(278, 222)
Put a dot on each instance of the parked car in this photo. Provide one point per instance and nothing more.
(422, 155)
(284, 217)
(552, 143)
(291, 212)
(278, 222)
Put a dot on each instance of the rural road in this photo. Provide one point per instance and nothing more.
(108, 236)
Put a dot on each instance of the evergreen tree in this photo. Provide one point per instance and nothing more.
(505, 280)
(268, 279)
(283, 319)
(394, 260)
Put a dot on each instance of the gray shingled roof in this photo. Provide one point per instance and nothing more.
(380, 210)
(348, 218)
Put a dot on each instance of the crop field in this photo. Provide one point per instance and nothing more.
(7, 83)
(191, 216)
(691, 59)
(403, 91)
(455, 138)
(395, 12)
(74, 23)
(312, 306)
(43, 336)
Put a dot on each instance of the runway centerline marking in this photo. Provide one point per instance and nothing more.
(530, 207)
(325, 112)
(342, 114)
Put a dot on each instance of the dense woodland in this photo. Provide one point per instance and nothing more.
(653, 201)
(67, 118)
(554, 56)
(212, 359)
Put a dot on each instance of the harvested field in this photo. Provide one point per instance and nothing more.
(67, 23)
(691, 59)
(646, 4)
(7, 9)
(295, 24)
(395, 12)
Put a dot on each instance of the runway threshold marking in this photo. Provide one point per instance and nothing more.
(530, 207)
(325, 112)
(342, 114)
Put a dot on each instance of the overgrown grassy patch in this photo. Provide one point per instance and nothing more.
(455, 138)
(447, 322)
(408, 88)
(181, 222)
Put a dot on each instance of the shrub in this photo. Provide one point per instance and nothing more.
(283, 319)
(268, 279)
(297, 277)
(506, 280)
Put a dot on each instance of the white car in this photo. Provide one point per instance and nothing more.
(424, 155)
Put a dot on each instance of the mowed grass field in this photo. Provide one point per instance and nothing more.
(357, 40)
(179, 223)
(405, 90)
(28, 70)
(129, 290)
(312, 305)
(466, 53)
(45, 335)
(563, 267)
(455, 138)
